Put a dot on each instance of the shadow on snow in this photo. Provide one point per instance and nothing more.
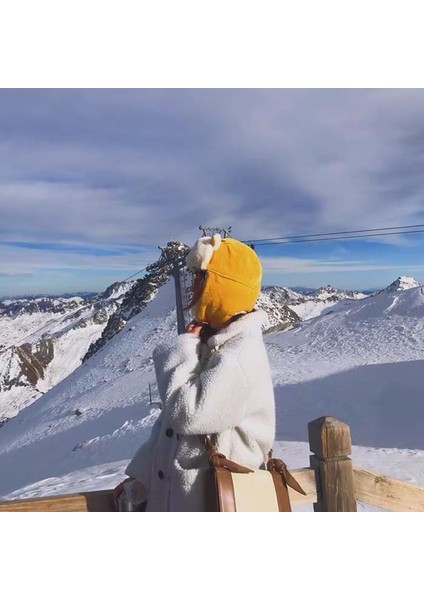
(383, 405)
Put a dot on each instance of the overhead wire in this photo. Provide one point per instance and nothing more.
(327, 239)
(310, 235)
(134, 274)
(331, 236)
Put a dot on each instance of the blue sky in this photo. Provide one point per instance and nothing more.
(92, 181)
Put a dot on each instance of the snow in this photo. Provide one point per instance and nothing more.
(121, 290)
(29, 328)
(311, 309)
(69, 351)
(71, 333)
(362, 362)
(402, 283)
(18, 330)
(308, 306)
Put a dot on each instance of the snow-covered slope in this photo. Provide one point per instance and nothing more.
(110, 390)
(362, 363)
(44, 339)
(321, 301)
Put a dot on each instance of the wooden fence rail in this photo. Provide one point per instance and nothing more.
(386, 492)
(332, 483)
(101, 501)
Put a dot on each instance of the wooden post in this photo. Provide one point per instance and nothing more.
(178, 299)
(329, 440)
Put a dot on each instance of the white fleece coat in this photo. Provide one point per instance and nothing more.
(222, 387)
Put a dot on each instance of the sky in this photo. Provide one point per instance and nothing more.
(92, 181)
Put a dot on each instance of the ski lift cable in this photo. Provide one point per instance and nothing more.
(335, 233)
(327, 239)
(134, 274)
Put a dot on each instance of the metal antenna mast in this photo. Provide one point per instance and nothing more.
(223, 231)
(178, 297)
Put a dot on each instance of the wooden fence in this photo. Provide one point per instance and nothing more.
(332, 483)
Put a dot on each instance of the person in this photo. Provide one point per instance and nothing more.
(214, 380)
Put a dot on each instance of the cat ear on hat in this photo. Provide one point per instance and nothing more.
(201, 254)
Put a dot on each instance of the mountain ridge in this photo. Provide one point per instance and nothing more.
(345, 362)
(73, 329)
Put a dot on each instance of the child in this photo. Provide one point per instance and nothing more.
(214, 379)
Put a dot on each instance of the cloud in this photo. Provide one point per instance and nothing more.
(116, 168)
(283, 265)
(33, 260)
(128, 164)
(15, 273)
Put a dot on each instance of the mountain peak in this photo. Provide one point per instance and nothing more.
(402, 283)
(331, 293)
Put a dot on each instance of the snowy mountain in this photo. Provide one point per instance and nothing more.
(362, 363)
(308, 305)
(44, 339)
(275, 302)
(331, 294)
(30, 306)
(402, 283)
(143, 291)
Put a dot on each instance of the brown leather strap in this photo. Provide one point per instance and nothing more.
(225, 490)
(282, 492)
(220, 491)
(211, 491)
(218, 460)
(279, 466)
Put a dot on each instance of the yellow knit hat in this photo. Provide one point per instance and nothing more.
(233, 280)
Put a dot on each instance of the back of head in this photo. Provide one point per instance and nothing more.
(233, 278)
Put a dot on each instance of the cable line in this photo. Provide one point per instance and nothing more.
(309, 235)
(347, 237)
(131, 276)
(65, 317)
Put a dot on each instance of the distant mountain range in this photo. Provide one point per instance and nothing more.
(360, 360)
(45, 338)
(35, 296)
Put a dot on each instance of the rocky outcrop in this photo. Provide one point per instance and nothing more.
(25, 365)
(141, 293)
(274, 301)
(33, 358)
(332, 294)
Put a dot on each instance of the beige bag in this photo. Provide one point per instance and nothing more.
(230, 487)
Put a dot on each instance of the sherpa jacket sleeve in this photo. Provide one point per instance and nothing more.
(200, 400)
